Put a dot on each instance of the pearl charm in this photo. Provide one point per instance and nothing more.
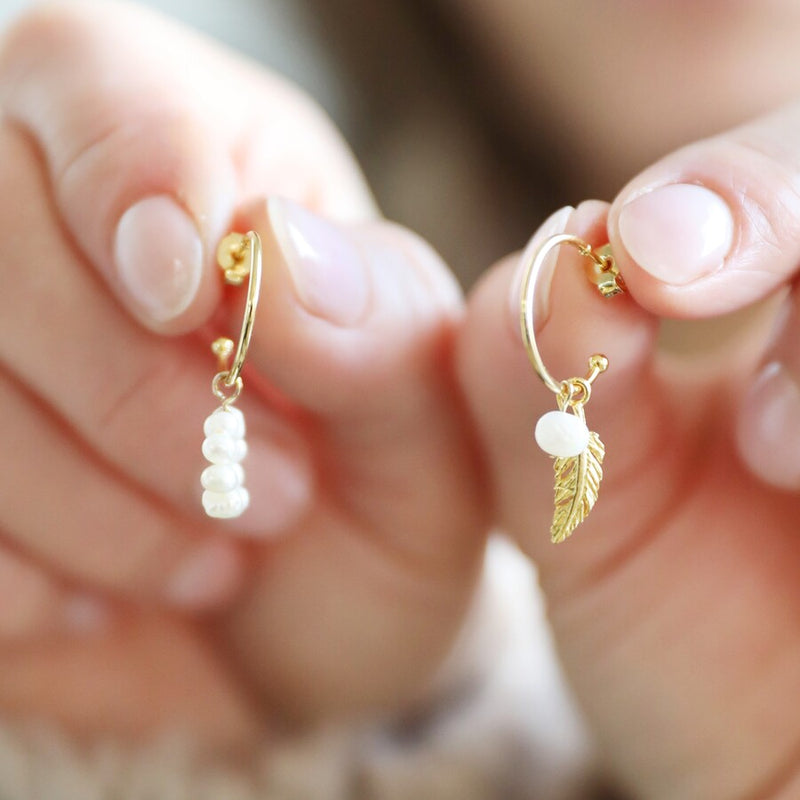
(226, 505)
(224, 446)
(225, 420)
(561, 434)
(222, 477)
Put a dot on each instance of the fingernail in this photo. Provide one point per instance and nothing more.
(85, 615)
(206, 577)
(326, 268)
(677, 233)
(768, 427)
(556, 223)
(159, 259)
(280, 491)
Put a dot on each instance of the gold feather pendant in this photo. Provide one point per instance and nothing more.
(577, 486)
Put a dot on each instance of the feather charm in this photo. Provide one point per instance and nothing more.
(577, 486)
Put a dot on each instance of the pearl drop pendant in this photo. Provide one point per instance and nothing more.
(224, 446)
(561, 434)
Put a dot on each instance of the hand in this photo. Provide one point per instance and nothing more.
(676, 604)
(128, 148)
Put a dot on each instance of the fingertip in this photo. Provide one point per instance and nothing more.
(713, 227)
(326, 268)
(581, 321)
(767, 424)
(671, 243)
(352, 315)
(556, 223)
(207, 577)
(161, 268)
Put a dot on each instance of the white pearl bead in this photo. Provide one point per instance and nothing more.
(561, 434)
(221, 449)
(225, 505)
(222, 477)
(225, 420)
(224, 496)
(239, 449)
(244, 497)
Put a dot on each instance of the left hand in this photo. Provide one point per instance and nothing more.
(128, 148)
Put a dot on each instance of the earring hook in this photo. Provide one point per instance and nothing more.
(239, 256)
(604, 273)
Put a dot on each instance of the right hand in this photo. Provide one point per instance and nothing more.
(676, 605)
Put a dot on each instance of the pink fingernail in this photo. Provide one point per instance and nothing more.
(768, 427)
(677, 233)
(326, 268)
(556, 223)
(159, 259)
(206, 578)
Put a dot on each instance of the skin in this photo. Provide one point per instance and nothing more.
(675, 606)
(362, 599)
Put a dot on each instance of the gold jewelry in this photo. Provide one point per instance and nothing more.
(564, 434)
(238, 256)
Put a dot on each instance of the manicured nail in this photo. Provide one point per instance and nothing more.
(326, 268)
(769, 425)
(556, 223)
(85, 615)
(159, 259)
(206, 578)
(677, 233)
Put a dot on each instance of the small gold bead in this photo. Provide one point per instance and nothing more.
(599, 362)
(222, 348)
(231, 254)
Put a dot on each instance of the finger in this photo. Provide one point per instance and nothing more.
(769, 412)
(137, 401)
(149, 149)
(73, 515)
(355, 326)
(146, 675)
(716, 225)
(34, 603)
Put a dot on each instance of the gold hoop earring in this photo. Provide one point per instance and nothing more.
(224, 495)
(564, 433)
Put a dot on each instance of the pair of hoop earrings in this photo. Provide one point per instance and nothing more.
(563, 433)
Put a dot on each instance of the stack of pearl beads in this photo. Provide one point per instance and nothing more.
(224, 446)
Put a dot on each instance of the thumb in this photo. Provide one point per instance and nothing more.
(151, 138)
(689, 229)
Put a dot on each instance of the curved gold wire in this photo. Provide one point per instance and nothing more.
(232, 251)
(531, 269)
